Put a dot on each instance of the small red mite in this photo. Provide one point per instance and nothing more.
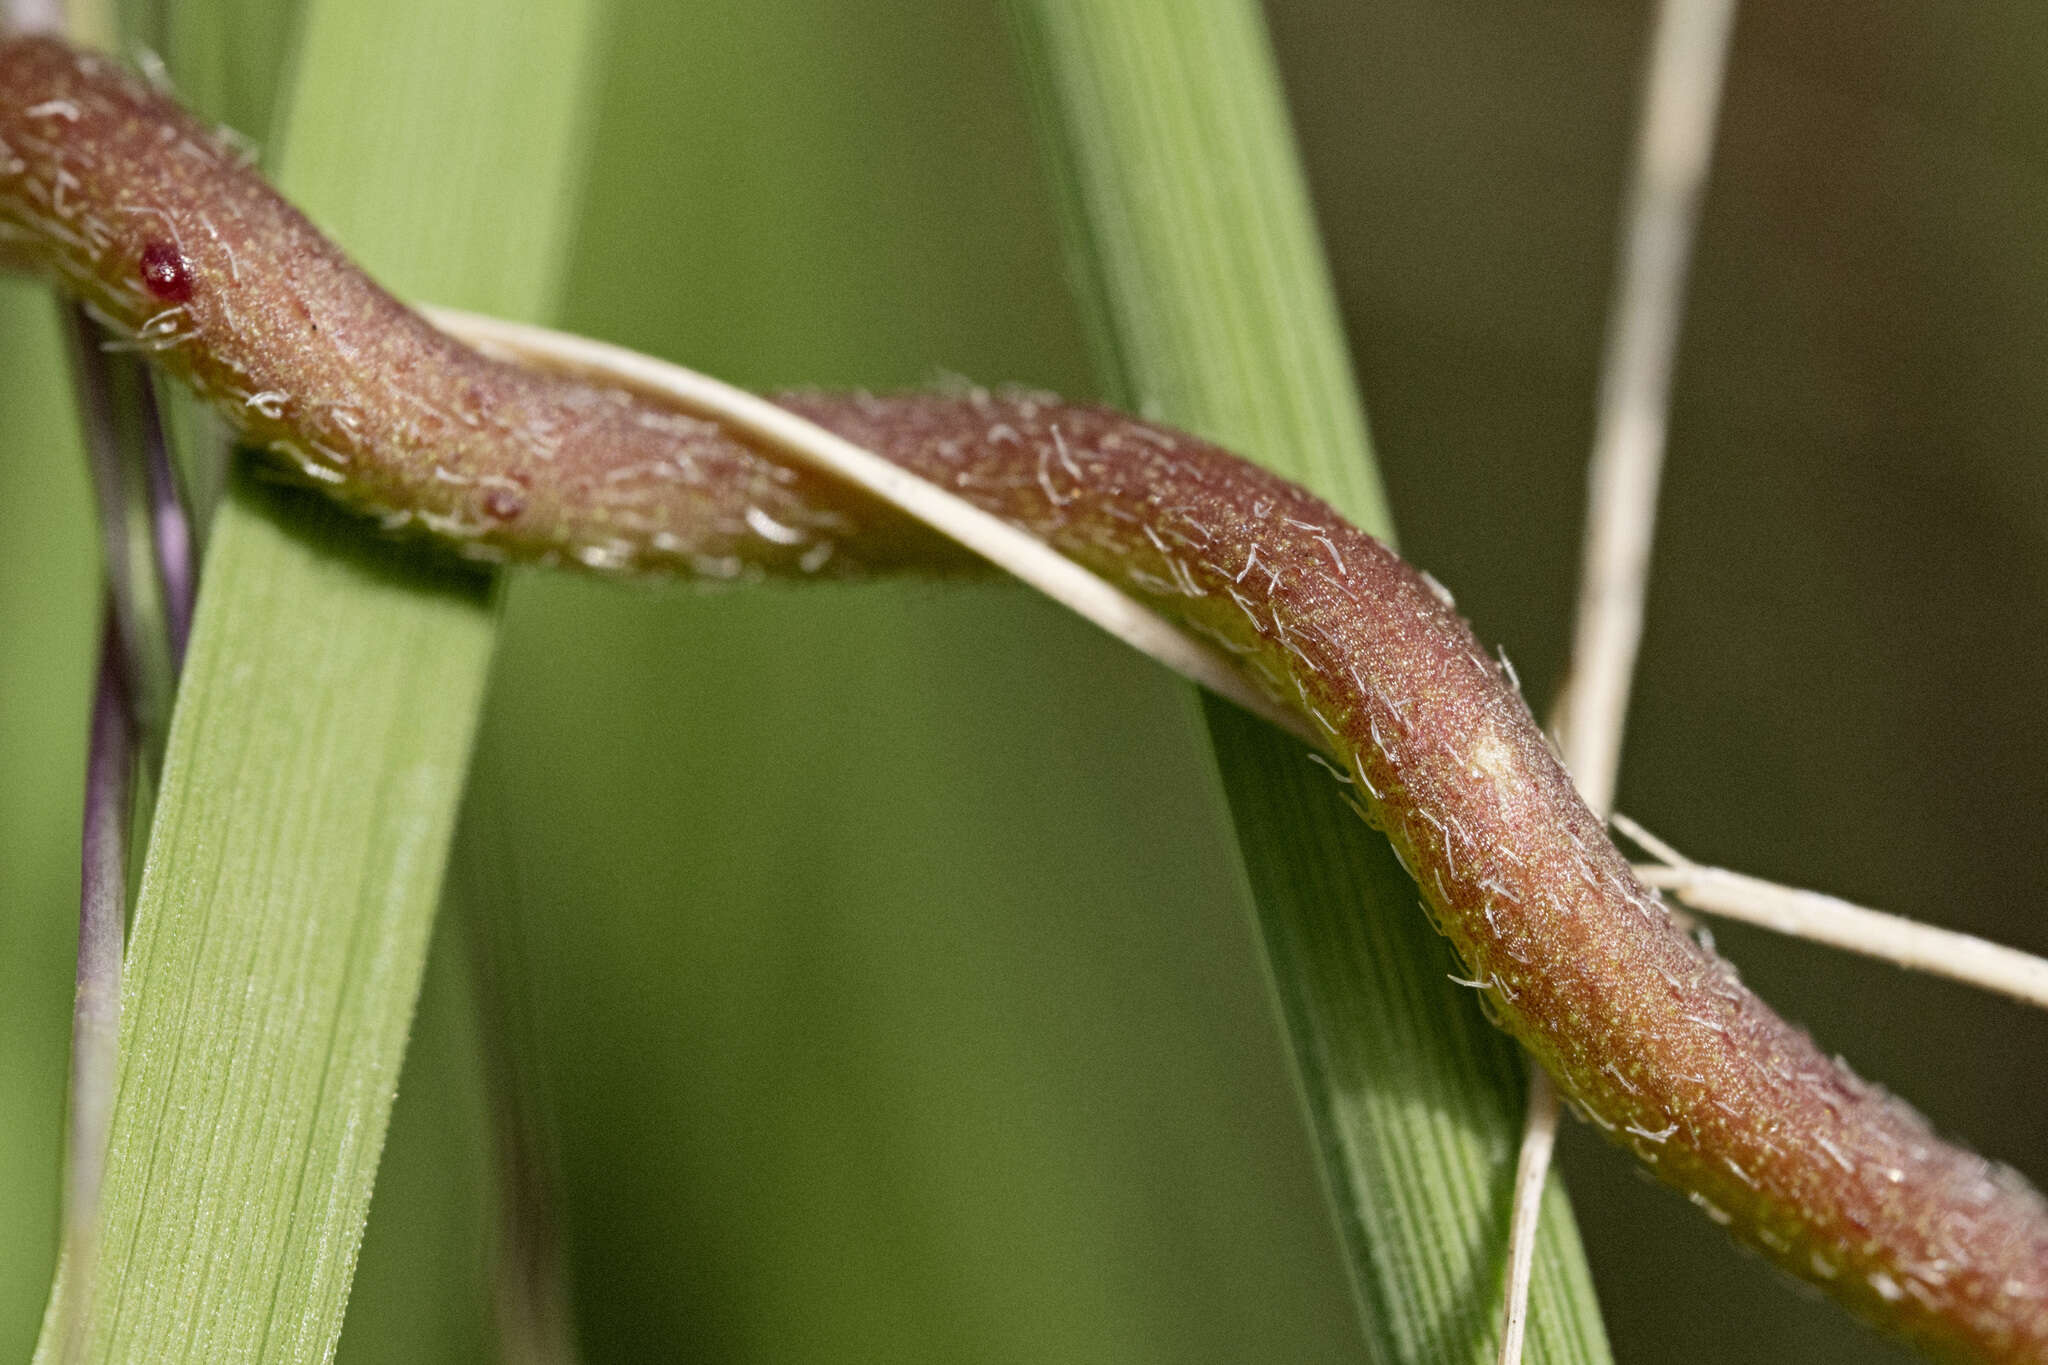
(166, 273)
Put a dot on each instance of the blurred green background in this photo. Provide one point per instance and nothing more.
(887, 968)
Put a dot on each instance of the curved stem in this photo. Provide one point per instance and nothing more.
(1645, 1031)
(1688, 61)
(96, 1007)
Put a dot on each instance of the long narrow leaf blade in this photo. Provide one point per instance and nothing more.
(321, 736)
(1197, 260)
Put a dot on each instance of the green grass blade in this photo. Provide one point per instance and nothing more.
(48, 604)
(321, 735)
(1197, 261)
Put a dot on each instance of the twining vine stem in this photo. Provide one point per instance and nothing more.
(160, 230)
(1682, 100)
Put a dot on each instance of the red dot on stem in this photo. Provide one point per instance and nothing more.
(166, 273)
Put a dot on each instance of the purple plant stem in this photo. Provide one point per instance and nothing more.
(102, 915)
(128, 457)
(99, 407)
(171, 527)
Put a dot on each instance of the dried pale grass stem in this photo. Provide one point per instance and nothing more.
(1532, 1169)
(1821, 918)
(32, 16)
(1682, 99)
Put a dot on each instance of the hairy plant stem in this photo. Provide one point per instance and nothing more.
(317, 757)
(1674, 149)
(1651, 1035)
(1193, 252)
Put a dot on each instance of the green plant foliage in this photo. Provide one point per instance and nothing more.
(321, 738)
(890, 973)
(1196, 254)
(48, 602)
(891, 969)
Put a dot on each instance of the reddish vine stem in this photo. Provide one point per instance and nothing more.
(170, 240)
